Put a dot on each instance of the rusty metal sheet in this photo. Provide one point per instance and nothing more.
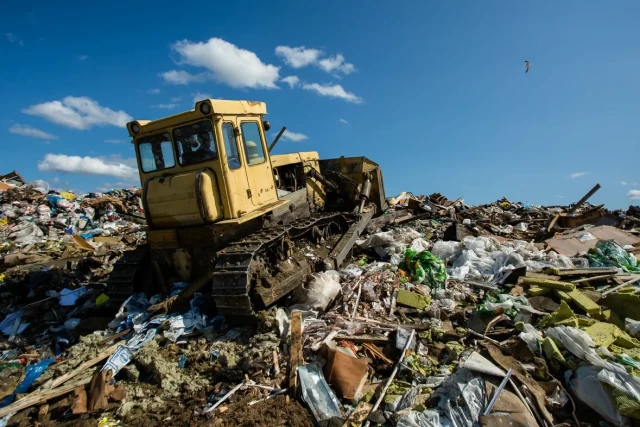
(577, 242)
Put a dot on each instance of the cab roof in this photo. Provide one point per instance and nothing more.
(218, 106)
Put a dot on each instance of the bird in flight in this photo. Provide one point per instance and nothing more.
(527, 66)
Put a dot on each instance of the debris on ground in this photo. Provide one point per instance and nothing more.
(444, 314)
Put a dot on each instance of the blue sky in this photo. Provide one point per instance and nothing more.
(435, 92)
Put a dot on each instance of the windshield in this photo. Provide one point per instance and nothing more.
(156, 153)
(195, 143)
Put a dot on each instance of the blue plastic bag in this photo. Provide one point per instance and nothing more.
(32, 373)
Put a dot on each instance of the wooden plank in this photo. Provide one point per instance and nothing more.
(593, 271)
(88, 364)
(114, 337)
(587, 279)
(295, 358)
(38, 397)
(359, 339)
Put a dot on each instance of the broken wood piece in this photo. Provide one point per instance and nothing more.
(584, 199)
(42, 412)
(588, 279)
(472, 332)
(330, 336)
(29, 356)
(375, 351)
(417, 327)
(482, 285)
(88, 364)
(359, 339)
(355, 307)
(553, 284)
(225, 397)
(590, 271)
(295, 358)
(627, 283)
(38, 397)
(276, 362)
(114, 337)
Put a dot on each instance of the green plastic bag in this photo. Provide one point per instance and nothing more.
(608, 253)
(425, 267)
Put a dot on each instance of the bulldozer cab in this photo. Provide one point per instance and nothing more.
(206, 165)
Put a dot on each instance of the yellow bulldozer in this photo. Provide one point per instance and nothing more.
(223, 213)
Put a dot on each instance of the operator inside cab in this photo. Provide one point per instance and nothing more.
(195, 143)
(204, 151)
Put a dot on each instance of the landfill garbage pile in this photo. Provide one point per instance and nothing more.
(445, 314)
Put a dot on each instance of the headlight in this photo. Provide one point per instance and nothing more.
(135, 128)
(205, 108)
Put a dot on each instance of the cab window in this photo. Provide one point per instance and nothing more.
(253, 150)
(230, 145)
(156, 153)
(195, 143)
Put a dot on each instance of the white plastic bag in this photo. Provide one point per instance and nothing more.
(420, 245)
(27, 234)
(382, 239)
(589, 390)
(320, 291)
(419, 419)
(447, 250)
(632, 326)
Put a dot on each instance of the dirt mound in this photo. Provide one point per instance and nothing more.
(278, 411)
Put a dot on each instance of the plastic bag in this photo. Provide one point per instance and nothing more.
(369, 292)
(632, 326)
(588, 389)
(381, 239)
(531, 336)
(419, 419)
(27, 234)
(608, 253)
(447, 250)
(419, 245)
(322, 289)
(505, 303)
(425, 267)
(40, 185)
(32, 373)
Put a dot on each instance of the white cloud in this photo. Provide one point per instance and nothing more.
(634, 194)
(164, 106)
(27, 130)
(56, 179)
(180, 77)
(343, 121)
(294, 136)
(114, 166)
(82, 58)
(199, 96)
(14, 39)
(624, 183)
(578, 175)
(333, 91)
(336, 63)
(228, 63)
(154, 91)
(113, 141)
(176, 99)
(298, 57)
(78, 113)
(292, 81)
